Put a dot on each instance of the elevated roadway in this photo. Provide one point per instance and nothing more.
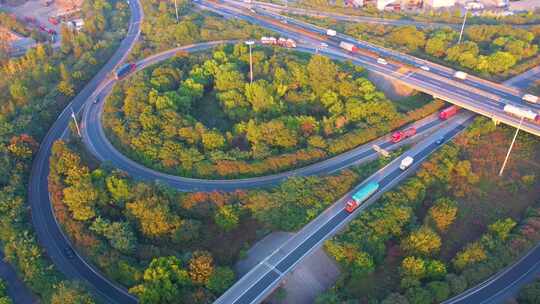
(474, 94)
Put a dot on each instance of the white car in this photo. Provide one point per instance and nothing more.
(425, 68)
(382, 61)
(324, 45)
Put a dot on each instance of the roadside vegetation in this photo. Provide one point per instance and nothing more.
(199, 116)
(4, 298)
(491, 51)
(161, 31)
(530, 293)
(446, 229)
(174, 247)
(35, 88)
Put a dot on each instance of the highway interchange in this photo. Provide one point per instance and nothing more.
(257, 283)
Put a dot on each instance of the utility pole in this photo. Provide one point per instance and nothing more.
(511, 146)
(76, 123)
(463, 25)
(250, 43)
(176, 9)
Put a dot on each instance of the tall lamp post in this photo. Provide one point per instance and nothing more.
(176, 9)
(250, 43)
(511, 146)
(76, 123)
(463, 25)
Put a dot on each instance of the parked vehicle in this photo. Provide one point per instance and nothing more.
(348, 46)
(331, 32)
(382, 61)
(522, 112)
(460, 75)
(360, 196)
(401, 135)
(530, 98)
(125, 69)
(448, 112)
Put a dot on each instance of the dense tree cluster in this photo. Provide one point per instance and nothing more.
(166, 245)
(435, 263)
(35, 88)
(160, 30)
(201, 117)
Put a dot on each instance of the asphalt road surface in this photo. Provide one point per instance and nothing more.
(263, 278)
(48, 231)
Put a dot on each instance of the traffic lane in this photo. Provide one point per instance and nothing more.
(311, 242)
(333, 217)
(258, 288)
(492, 291)
(47, 229)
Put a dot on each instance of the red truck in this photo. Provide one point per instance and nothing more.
(401, 135)
(53, 21)
(448, 112)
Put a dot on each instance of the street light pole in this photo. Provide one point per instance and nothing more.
(511, 146)
(76, 123)
(463, 25)
(176, 9)
(250, 43)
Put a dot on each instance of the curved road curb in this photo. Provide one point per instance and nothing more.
(49, 233)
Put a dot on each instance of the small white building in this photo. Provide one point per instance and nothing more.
(439, 3)
(381, 4)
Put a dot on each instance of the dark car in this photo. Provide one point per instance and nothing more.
(68, 251)
(96, 100)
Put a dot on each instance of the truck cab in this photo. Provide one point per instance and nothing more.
(351, 205)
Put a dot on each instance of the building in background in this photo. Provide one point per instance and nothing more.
(439, 3)
(354, 3)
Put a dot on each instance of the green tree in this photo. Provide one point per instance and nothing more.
(408, 36)
(473, 253)
(220, 280)
(439, 290)
(213, 140)
(164, 281)
(70, 293)
(419, 295)
(227, 217)
(423, 241)
(322, 73)
(413, 267)
(502, 228)
(443, 213)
